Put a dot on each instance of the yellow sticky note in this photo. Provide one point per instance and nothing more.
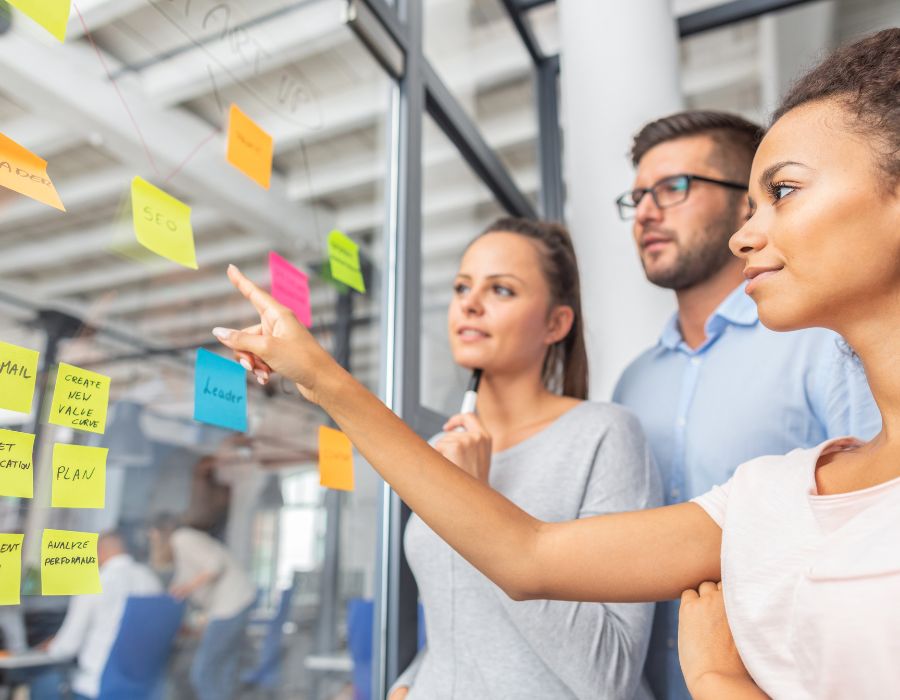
(80, 399)
(343, 256)
(52, 15)
(10, 568)
(250, 149)
(16, 464)
(335, 459)
(69, 563)
(18, 370)
(25, 173)
(79, 476)
(162, 223)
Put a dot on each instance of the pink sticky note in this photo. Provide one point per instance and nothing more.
(290, 287)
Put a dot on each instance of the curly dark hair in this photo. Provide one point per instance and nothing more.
(736, 138)
(864, 77)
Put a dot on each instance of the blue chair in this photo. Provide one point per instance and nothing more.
(266, 674)
(360, 621)
(137, 660)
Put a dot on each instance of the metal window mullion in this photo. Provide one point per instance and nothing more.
(550, 140)
(526, 33)
(730, 13)
(395, 641)
(464, 133)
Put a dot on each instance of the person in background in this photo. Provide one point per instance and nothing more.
(516, 315)
(92, 621)
(208, 576)
(718, 388)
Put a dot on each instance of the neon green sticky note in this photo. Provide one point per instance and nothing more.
(80, 399)
(18, 369)
(52, 15)
(69, 563)
(79, 476)
(10, 568)
(162, 223)
(16, 467)
(343, 257)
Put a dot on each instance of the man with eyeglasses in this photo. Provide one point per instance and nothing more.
(718, 388)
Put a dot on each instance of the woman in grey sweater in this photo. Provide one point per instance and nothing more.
(516, 314)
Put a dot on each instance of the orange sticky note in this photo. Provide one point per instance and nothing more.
(335, 459)
(52, 15)
(250, 149)
(25, 173)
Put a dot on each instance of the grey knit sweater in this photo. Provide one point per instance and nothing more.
(484, 646)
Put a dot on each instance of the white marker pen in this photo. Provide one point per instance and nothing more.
(470, 398)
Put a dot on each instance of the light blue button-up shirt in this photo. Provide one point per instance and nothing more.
(747, 391)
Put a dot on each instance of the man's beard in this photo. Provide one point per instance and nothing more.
(696, 264)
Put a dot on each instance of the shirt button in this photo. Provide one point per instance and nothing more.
(670, 642)
(676, 494)
(695, 361)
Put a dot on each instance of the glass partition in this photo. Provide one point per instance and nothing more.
(146, 89)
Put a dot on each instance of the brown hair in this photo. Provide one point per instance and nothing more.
(865, 78)
(736, 138)
(565, 365)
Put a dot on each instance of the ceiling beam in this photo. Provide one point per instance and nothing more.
(67, 80)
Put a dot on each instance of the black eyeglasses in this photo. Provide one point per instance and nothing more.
(667, 192)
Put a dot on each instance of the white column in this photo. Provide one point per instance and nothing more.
(619, 64)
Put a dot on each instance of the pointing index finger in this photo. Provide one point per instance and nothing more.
(262, 301)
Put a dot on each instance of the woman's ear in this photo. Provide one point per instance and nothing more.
(560, 323)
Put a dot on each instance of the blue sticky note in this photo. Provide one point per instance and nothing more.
(220, 391)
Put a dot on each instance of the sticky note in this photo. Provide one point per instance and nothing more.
(250, 149)
(52, 15)
(162, 223)
(290, 287)
(335, 459)
(18, 370)
(24, 172)
(80, 399)
(10, 568)
(220, 391)
(16, 464)
(79, 476)
(343, 257)
(69, 563)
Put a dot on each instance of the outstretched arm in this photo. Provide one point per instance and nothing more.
(644, 556)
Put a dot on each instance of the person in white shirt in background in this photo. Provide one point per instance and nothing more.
(206, 573)
(92, 621)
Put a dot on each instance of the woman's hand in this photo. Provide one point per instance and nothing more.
(710, 661)
(399, 693)
(277, 343)
(469, 449)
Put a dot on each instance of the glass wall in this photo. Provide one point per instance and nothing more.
(145, 89)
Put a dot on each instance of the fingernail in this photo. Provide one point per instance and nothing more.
(246, 364)
(261, 373)
(261, 380)
(232, 266)
(222, 333)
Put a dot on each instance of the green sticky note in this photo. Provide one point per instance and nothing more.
(79, 476)
(52, 15)
(18, 370)
(80, 399)
(16, 464)
(10, 568)
(343, 257)
(69, 563)
(162, 223)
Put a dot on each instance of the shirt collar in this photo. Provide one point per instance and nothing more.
(737, 309)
